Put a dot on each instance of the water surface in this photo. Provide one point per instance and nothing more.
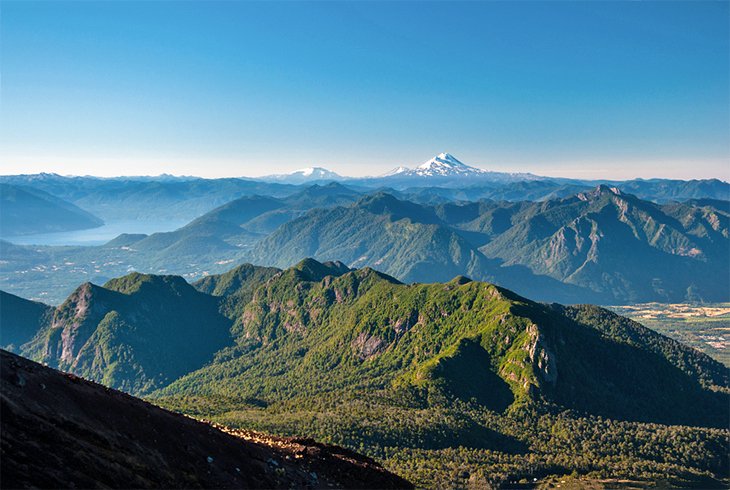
(96, 236)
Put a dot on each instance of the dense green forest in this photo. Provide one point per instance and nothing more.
(464, 383)
(461, 383)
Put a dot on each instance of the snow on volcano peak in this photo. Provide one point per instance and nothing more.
(445, 164)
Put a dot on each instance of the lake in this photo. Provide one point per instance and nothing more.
(96, 236)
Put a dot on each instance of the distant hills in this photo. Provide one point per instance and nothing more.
(614, 243)
(409, 373)
(25, 210)
(600, 245)
(609, 246)
(551, 239)
(404, 239)
(147, 198)
(168, 197)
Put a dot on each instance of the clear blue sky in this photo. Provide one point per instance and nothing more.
(585, 89)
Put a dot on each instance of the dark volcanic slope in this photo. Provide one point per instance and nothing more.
(59, 431)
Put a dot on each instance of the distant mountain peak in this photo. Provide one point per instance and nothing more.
(303, 175)
(315, 172)
(443, 160)
(445, 164)
(442, 165)
(600, 190)
(396, 171)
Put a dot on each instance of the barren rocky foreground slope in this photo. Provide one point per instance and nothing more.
(60, 431)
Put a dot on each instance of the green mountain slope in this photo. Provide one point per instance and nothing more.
(403, 239)
(309, 333)
(408, 241)
(137, 333)
(621, 247)
(224, 234)
(20, 319)
(449, 384)
(423, 374)
(236, 287)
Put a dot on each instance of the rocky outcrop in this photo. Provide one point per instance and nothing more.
(367, 346)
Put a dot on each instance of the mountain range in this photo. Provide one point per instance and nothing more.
(600, 245)
(572, 249)
(185, 198)
(498, 386)
(26, 210)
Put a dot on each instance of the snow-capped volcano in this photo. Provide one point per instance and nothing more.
(444, 164)
(310, 174)
(446, 169)
(315, 173)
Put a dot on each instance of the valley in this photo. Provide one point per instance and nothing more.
(705, 327)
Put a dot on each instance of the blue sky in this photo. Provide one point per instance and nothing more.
(582, 89)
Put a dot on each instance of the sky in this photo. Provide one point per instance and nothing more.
(575, 89)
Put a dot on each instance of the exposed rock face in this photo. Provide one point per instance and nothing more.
(77, 320)
(541, 356)
(367, 346)
(60, 431)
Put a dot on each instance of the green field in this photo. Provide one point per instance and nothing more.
(705, 327)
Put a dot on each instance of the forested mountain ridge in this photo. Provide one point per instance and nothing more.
(404, 239)
(135, 333)
(317, 328)
(618, 245)
(412, 374)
